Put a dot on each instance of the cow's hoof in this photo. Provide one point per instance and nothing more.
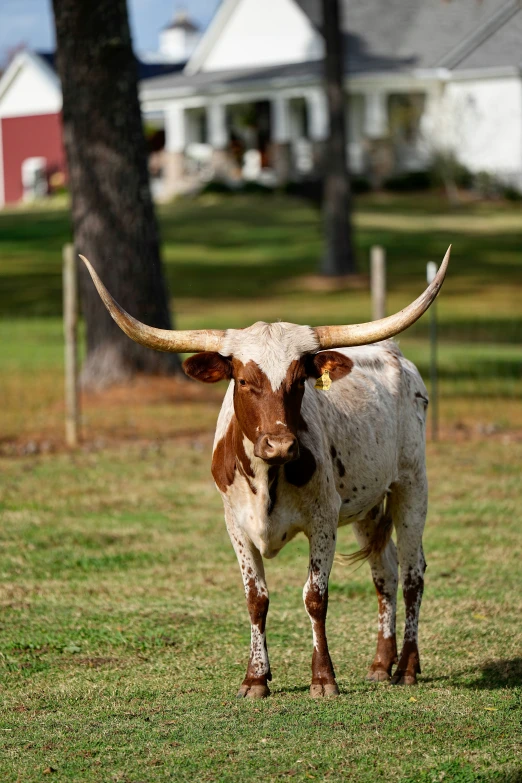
(328, 690)
(253, 692)
(378, 675)
(403, 678)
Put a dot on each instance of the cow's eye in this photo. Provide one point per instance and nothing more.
(242, 382)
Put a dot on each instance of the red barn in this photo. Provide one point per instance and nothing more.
(31, 149)
(30, 126)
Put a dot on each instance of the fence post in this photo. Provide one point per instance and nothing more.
(378, 281)
(431, 271)
(70, 327)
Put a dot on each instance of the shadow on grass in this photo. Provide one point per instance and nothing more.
(499, 673)
(489, 675)
(242, 247)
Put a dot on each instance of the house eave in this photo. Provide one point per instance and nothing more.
(278, 83)
(499, 72)
(218, 23)
(18, 63)
(212, 91)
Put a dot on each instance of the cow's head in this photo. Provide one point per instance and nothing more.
(269, 364)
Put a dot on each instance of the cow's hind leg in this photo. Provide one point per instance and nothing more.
(255, 684)
(315, 596)
(409, 501)
(385, 578)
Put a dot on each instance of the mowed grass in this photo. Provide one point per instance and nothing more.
(258, 249)
(123, 629)
(124, 634)
(233, 260)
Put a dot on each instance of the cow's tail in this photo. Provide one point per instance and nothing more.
(378, 542)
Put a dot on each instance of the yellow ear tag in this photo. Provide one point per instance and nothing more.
(324, 382)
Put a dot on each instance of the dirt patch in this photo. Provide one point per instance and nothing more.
(154, 411)
(479, 431)
(148, 411)
(200, 438)
(196, 439)
(155, 390)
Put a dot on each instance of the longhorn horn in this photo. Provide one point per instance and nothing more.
(173, 341)
(373, 331)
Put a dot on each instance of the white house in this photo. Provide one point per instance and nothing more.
(32, 157)
(246, 100)
(422, 76)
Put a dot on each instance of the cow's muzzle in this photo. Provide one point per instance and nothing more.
(277, 449)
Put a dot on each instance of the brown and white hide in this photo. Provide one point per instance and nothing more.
(352, 454)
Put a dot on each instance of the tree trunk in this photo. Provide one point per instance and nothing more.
(338, 256)
(112, 211)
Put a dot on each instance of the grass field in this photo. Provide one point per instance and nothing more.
(123, 629)
(125, 635)
(233, 260)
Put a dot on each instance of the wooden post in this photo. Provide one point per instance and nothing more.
(431, 271)
(70, 327)
(378, 282)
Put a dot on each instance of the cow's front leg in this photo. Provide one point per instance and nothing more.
(255, 684)
(315, 595)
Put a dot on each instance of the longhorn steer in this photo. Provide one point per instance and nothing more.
(292, 455)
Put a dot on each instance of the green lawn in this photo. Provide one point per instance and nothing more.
(124, 634)
(257, 250)
(123, 629)
(233, 260)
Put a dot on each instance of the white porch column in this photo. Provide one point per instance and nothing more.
(376, 115)
(318, 114)
(218, 138)
(175, 129)
(217, 126)
(174, 159)
(280, 120)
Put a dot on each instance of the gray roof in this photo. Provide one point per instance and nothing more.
(391, 36)
(428, 31)
(502, 48)
(209, 81)
(213, 81)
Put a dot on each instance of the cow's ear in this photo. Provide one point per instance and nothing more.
(208, 367)
(337, 364)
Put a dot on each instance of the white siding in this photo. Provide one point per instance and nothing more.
(481, 121)
(32, 91)
(271, 32)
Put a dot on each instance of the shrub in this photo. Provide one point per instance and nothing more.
(446, 169)
(409, 181)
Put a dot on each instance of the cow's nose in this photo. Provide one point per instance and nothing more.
(277, 449)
